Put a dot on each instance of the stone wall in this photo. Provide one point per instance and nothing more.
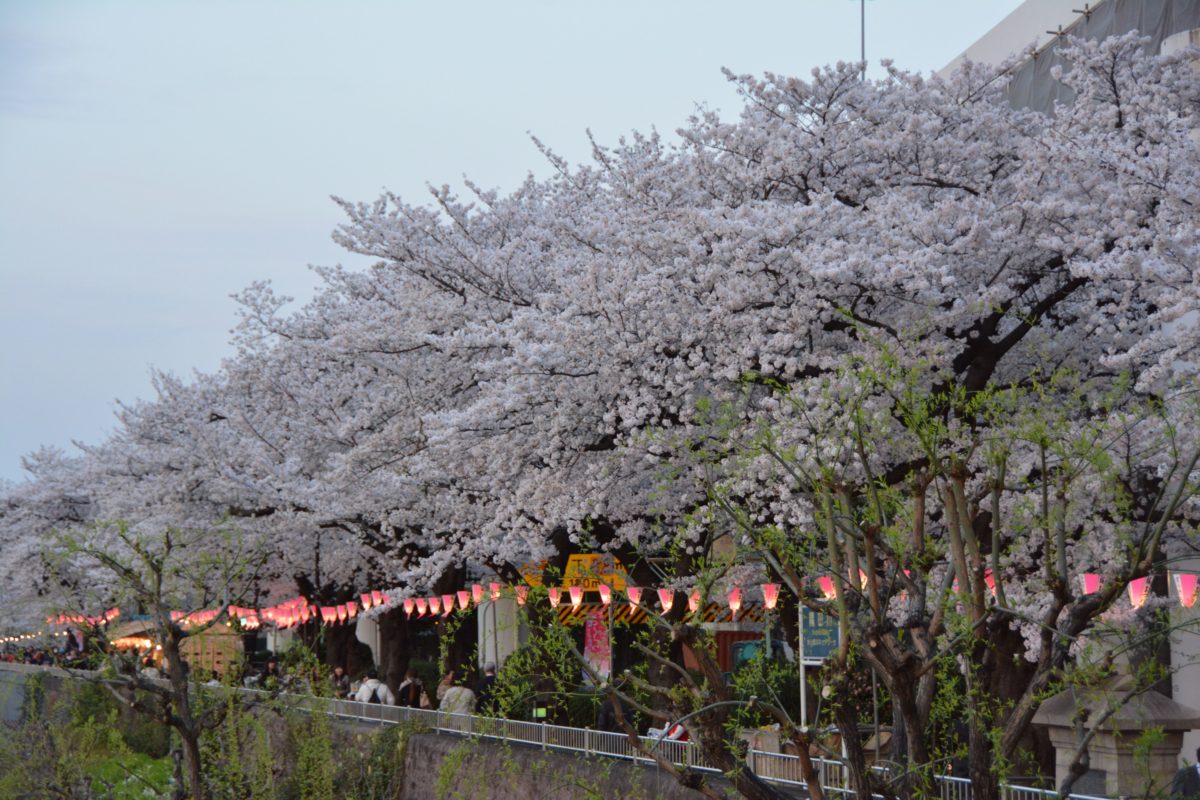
(440, 767)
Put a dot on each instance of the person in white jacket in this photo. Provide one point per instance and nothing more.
(373, 691)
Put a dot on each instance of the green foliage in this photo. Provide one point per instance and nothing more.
(315, 767)
(71, 747)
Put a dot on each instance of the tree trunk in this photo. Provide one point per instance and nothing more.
(191, 762)
(846, 717)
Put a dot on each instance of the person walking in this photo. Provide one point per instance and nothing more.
(411, 693)
(1186, 783)
(485, 700)
(455, 699)
(373, 691)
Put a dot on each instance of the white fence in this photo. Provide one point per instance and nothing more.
(779, 768)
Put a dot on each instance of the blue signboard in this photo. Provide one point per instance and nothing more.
(821, 637)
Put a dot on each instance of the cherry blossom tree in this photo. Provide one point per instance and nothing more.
(521, 373)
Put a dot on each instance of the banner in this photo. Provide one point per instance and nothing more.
(596, 649)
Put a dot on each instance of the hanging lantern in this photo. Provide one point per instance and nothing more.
(327, 614)
(666, 599)
(735, 601)
(1185, 587)
(605, 593)
(377, 597)
(989, 580)
(435, 606)
(351, 609)
(495, 587)
(576, 596)
(1139, 590)
(421, 605)
(343, 615)
(555, 596)
(826, 584)
(464, 599)
(477, 593)
(770, 595)
(366, 601)
(522, 593)
(447, 604)
(635, 594)
(694, 601)
(409, 605)
(1090, 582)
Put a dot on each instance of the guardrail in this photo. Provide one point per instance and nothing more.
(780, 768)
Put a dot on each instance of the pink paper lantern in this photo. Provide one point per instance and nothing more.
(635, 594)
(576, 596)
(770, 595)
(1090, 582)
(464, 599)
(1139, 590)
(409, 605)
(1185, 587)
(351, 609)
(447, 605)
(735, 600)
(605, 593)
(694, 601)
(555, 596)
(377, 597)
(366, 601)
(477, 593)
(495, 587)
(435, 606)
(666, 599)
(421, 606)
(826, 584)
(522, 593)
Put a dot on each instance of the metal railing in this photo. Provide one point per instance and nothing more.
(781, 768)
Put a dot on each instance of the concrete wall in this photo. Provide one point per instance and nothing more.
(453, 768)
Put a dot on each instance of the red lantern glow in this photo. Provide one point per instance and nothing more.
(495, 587)
(447, 604)
(576, 596)
(1090, 582)
(421, 606)
(605, 593)
(735, 600)
(464, 599)
(477, 593)
(555, 596)
(635, 594)
(351, 609)
(435, 605)
(694, 601)
(377, 597)
(366, 601)
(409, 605)
(826, 584)
(1139, 590)
(522, 593)
(666, 599)
(1185, 587)
(770, 595)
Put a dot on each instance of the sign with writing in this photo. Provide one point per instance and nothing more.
(588, 570)
(821, 636)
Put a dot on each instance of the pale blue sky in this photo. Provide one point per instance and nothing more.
(157, 156)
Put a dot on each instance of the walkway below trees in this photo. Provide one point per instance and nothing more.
(778, 768)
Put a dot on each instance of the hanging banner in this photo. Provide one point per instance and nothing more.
(596, 649)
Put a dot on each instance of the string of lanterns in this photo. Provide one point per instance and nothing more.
(299, 610)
